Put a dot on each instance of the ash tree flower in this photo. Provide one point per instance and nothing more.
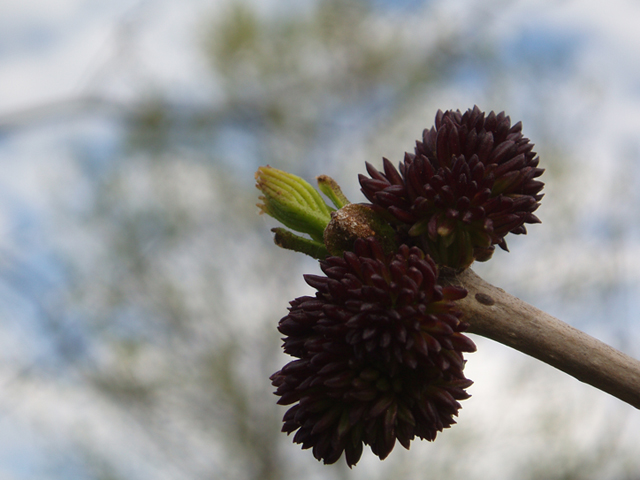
(379, 354)
(470, 182)
(379, 349)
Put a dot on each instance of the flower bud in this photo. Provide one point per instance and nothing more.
(355, 221)
(378, 354)
(470, 182)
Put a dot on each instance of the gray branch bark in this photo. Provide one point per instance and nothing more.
(495, 314)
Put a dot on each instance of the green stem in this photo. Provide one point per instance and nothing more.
(286, 239)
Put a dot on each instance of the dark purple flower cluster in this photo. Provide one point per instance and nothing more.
(379, 354)
(470, 182)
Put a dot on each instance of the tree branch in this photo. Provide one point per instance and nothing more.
(495, 314)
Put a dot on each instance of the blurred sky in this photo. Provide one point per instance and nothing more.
(60, 50)
(56, 52)
(582, 57)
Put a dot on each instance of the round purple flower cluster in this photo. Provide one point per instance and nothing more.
(470, 182)
(379, 354)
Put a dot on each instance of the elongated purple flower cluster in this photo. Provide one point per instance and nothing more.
(470, 182)
(379, 354)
